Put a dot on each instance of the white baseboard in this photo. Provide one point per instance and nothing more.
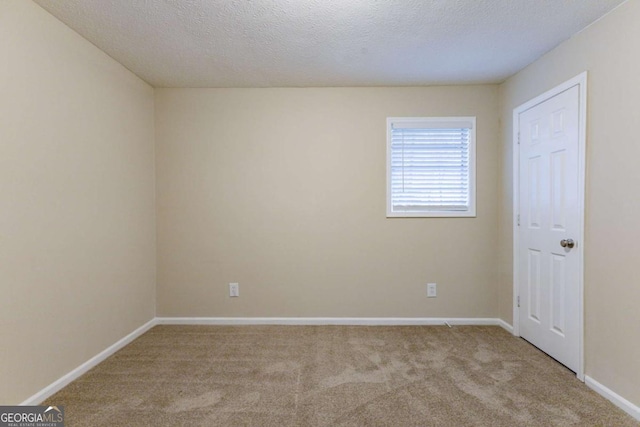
(353, 321)
(57, 385)
(507, 327)
(614, 397)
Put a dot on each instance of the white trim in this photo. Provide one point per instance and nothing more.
(353, 321)
(515, 219)
(65, 380)
(613, 397)
(507, 327)
(580, 81)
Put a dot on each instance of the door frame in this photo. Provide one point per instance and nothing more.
(580, 81)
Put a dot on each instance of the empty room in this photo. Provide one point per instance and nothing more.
(319, 213)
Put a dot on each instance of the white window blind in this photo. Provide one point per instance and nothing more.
(431, 167)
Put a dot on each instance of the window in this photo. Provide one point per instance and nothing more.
(431, 167)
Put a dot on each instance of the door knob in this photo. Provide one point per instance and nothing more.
(567, 243)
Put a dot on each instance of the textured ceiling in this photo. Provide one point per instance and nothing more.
(262, 43)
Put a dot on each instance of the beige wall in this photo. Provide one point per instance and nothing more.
(283, 191)
(77, 258)
(609, 51)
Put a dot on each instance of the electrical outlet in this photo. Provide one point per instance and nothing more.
(234, 290)
(432, 290)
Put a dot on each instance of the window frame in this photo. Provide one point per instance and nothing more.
(440, 213)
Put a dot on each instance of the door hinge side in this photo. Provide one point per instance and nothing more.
(518, 221)
(518, 301)
(518, 138)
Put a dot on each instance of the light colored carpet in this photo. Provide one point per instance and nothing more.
(332, 376)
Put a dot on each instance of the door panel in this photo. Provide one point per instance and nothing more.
(549, 273)
(534, 285)
(558, 290)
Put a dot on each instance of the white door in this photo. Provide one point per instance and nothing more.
(550, 222)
